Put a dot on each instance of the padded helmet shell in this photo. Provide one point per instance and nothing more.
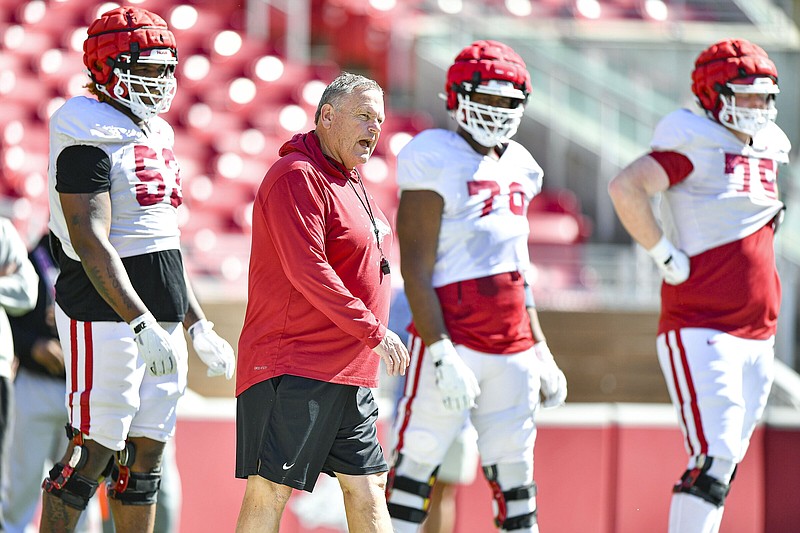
(490, 68)
(722, 63)
(123, 39)
(124, 30)
(482, 61)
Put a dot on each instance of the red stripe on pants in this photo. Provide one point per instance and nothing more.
(415, 343)
(88, 377)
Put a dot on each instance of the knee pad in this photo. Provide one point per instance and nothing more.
(132, 488)
(70, 487)
(408, 498)
(699, 483)
(64, 482)
(521, 491)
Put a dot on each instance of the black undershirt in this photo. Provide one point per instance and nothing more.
(156, 277)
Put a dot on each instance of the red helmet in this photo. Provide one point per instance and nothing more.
(722, 63)
(487, 67)
(125, 36)
(483, 61)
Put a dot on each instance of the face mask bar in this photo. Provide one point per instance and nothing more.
(745, 119)
(145, 96)
(488, 125)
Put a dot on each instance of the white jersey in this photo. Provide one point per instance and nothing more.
(732, 191)
(484, 229)
(145, 184)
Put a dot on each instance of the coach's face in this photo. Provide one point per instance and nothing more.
(352, 127)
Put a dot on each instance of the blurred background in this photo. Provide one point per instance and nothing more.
(603, 72)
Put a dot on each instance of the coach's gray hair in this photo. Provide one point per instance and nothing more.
(346, 83)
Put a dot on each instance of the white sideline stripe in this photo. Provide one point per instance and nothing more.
(606, 414)
(193, 406)
(196, 407)
(788, 381)
(782, 417)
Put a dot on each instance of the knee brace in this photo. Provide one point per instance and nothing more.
(699, 483)
(401, 487)
(133, 488)
(64, 482)
(519, 491)
(73, 489)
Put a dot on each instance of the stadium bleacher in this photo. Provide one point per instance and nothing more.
(238, 101)
(239, 98)
(230, 83)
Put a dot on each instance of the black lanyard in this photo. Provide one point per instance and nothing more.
(365, 204)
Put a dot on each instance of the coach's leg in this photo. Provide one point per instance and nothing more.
(262, 505)
(365, 503)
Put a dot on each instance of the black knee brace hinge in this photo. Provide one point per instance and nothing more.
(65, 483)
(502, 520)
(132, 488)
(697, 483)
(411, 486)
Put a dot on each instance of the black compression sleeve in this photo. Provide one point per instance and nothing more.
(83, 169)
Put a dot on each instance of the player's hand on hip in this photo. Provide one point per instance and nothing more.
(212, 349)
(155, 345)
(393, 353)
(552, 379)
(673, 264)
(454, 379)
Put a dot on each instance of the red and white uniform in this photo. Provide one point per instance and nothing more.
(484, 233)
(717, 328)
(110, 394)
(478, 276)
(145, 183)
(484, 227)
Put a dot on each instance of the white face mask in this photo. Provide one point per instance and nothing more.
(749, 120)
(146, 96)
(489, 126)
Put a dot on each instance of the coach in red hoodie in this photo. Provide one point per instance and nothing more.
(318, 301)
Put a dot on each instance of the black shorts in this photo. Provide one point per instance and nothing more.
(289, 429)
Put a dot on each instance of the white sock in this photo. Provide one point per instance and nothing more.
(401, 526)
(690, 514)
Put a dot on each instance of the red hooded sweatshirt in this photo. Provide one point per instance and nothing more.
(317, 299)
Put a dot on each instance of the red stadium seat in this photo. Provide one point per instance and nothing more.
(22, 88)
(59, 68)
(555, 217)
(27, 41)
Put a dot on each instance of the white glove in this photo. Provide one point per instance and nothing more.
(212, 349)
(671, 262)
(155, 345)
(553, 381)
(454, 379)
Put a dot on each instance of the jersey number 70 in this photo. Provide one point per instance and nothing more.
(516, 195)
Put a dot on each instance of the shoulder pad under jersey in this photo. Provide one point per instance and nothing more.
(773, 143)
(420, 162)
(522, 158)
(161, 127)
(679, 129)
(87, 120)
